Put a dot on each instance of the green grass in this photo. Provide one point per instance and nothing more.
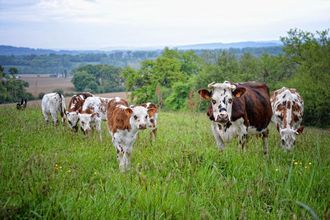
(48, 172)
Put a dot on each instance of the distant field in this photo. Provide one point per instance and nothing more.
(52, 173)
(44, 84)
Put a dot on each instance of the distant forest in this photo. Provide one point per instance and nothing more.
(63, 62)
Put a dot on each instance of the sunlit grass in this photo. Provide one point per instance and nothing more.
(51, 172)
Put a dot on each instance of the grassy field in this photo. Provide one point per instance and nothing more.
(48, 172)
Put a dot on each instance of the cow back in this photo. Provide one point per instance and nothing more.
(116, 116)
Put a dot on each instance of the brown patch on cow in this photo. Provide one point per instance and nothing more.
(288, 105)
(76, 102)
(205, 94)
(118, 118)
(89, 110)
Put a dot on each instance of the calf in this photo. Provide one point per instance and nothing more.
(123, 124)
(92, 113)
(52, 103)
(238, 110)
(75, 106)
(153, 115)
(288, 111)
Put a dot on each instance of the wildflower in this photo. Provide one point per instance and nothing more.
(276, 169)
(296, 163)
(69, 171)
(306, 167)
(310, 163)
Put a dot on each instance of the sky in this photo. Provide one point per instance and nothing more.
(103, 24)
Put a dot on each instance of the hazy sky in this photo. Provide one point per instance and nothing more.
(97, 24)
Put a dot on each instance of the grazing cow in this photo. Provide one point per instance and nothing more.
(52, 103)
(123, 124)
(288, 110)
(92, 113)
(75, 106)
(21, 105)
(238, 110)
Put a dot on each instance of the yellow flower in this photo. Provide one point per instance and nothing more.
(295, 163)
(306, 167)
(276, 169)
(310, 163)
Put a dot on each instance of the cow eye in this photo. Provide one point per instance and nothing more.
(230, 101)
(213, 101)
(146, 116)
(135, 117)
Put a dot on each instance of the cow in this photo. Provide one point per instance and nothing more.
(153, 116)
(92, 113)
(21, 105)
(75, 106)
(288, 111)
(52, 103)
(238, 110)
(124, 122)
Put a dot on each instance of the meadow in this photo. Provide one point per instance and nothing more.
(48, 172)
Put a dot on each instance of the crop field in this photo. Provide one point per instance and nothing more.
(48, 172)
(44, 84)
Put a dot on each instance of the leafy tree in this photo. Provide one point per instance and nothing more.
(82, 79)
(309, 55)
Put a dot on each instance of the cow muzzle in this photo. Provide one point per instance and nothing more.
(222, 117)
(142, 126)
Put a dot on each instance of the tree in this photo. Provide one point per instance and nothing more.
(309, 55)
(82, 79)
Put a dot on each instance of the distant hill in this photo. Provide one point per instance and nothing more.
(17, 51)
(234, 45)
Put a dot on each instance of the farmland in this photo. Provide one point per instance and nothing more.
(48, 172)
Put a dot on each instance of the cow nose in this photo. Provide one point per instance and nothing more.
(222, 117)
(142, 126)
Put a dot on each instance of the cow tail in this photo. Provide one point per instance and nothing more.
(62, 106)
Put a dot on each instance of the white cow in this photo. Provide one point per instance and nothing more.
(52, 103)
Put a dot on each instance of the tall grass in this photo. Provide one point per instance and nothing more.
(48, 172)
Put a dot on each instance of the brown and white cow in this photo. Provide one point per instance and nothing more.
(124, 123)
(238, 110)
(52, 103)
(288, 111)
(92, 113)
(75, 106)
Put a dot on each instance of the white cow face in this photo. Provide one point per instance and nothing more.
(85, 121)
(221, 97)
(139, 117)
(288, 137)
(73, 119)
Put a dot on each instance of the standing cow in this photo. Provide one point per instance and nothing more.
(123, 124)
(288, 111)
(238, 110)
(52, 103)
(75, 106)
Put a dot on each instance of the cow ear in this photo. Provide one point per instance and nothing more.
(95, 114)
(152, 111)
(300, 130)
(239, 91)
(205, 94)
(128, 111)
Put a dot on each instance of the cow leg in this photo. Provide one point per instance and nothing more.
(265, 140)
(54, 116)
(45, 116)
(98, 129)
(216, 134)
(153, 134)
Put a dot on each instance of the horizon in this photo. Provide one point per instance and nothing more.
(101, 24)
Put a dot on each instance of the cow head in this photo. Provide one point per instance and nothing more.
(73, 119)
(288, 137)
(221, 96)
(85, 120)
(139, 117)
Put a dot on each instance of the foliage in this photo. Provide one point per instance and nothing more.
(97, 78)
(309, 55)
(12, 89)
(51, 173)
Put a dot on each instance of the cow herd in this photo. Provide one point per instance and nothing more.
(235, 110)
